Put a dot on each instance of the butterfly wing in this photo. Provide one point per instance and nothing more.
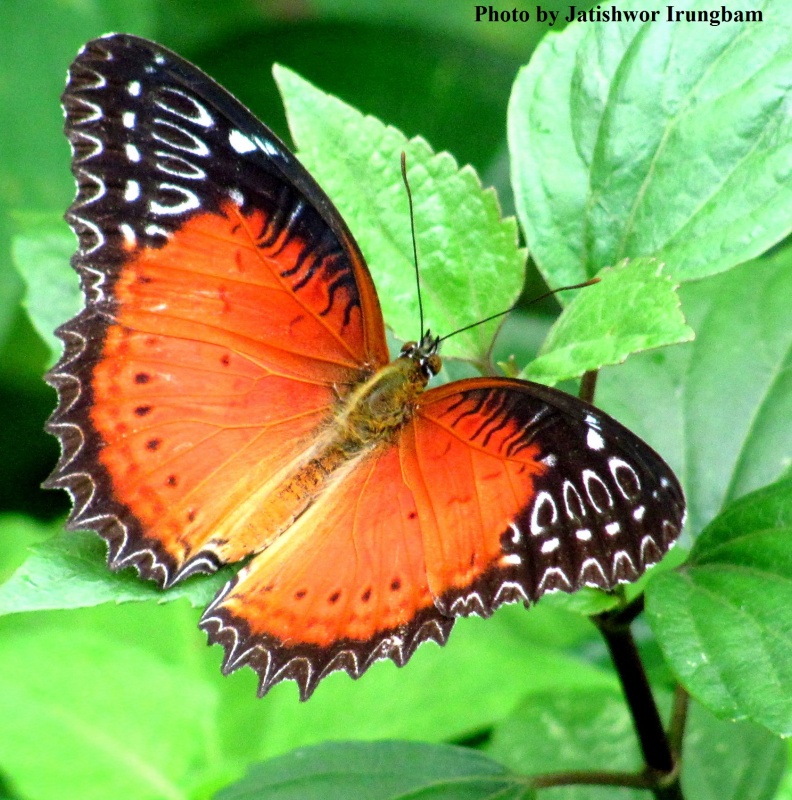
(540, 491)
(496, 491)
(227, 309)
(346, 586)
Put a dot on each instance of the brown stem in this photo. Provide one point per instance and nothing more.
(676, 730)
(582, 777)
(588, 384)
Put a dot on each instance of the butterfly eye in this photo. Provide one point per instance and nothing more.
(434, 363)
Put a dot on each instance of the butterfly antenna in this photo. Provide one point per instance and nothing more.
(589, 282)
(415, 246)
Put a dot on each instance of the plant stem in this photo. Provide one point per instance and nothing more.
(590, 778)
(588, 383)
(660, 762)
(676, 729)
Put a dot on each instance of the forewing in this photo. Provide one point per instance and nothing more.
(227, 309)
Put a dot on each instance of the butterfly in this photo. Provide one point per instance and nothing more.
(226, 395)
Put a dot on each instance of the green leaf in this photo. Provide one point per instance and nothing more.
(541, 144)
(10, 293)
(592, 730)
(586, 601)
(718, 409)
(52, 294)
(723, 619)
(730, 760)
(70, 571)
(379, 771)
(520, 646)
(86, 718)
(470, 264)
(578, 729)
(630, 139)
(634, 307)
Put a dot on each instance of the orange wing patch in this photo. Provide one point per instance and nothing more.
(223, 278)
(535, 498)
(472, 473)
(204, 388)
(227, 312)
(346, 585)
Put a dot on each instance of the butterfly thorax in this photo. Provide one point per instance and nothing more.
(377, 409)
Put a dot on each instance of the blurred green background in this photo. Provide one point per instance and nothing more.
(425, 67)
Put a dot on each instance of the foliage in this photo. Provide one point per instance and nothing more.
(667, 145)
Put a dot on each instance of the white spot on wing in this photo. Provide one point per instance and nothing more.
(128, 232)
(630, 488)
(589, 479)
(592, 421)
(268, 147)
(240, 142)
(95, 110)
(178, 166)
(156, 230)
(509, 589)
(201, 117)
(622, 556)
(594, 440)
(551, 545)
(128, 119)
(198, 148)
(132, 153)
(189, 202)
(573, 502)
(650, 552)
(583, 534)
(557, 571)
(131, 191)
(133, 87)
(587, 566)
(542, 499)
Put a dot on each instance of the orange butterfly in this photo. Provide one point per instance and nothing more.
(227, 393)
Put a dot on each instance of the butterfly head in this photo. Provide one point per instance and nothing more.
(424, 354)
